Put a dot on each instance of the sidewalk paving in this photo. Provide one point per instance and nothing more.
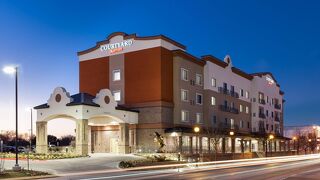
(94, 162)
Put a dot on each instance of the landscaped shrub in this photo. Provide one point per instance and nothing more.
(126, 164)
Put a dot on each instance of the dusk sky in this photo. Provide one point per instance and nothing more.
(42, 37)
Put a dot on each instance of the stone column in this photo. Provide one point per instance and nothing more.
(223, 145)
(191, 145)
(233, 145)
(124, 138)
(42, 138)
(180, 144)
(89, 140)
(200, 144)
(250, 146)
(82, 137)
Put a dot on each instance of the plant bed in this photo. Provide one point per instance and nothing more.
(34, 156)
(146, 162)
(21, 174)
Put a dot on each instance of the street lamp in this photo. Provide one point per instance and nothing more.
(271, 137)
(294, 142)
(196, 129)
(14, 70)
(231, 133)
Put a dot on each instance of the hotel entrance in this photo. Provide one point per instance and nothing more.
(104, 139)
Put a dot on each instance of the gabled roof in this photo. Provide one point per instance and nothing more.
(132, 36)
(260, 74)
(189, 57)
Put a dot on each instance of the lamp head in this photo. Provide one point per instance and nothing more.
(9, 70)
(231, 133)
(196, 129)
(271, 136)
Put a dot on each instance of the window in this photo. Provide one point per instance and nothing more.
(199, 79)
(267, 127)
(214, 120)
(267, 113)
(232, 104)
(271, 114)
(241, 93)
(241, 108)
(254, 114)
(213, 101)
(232, 123)
(117, 95)
(247, 94)
(184, 74)
(267, 99)
(232, 88)
(213, 82)
(271, 127)
(241, 124)
(247, 109)
(184, 95)
(248, 124)
(199, 118)
(184, 116)
(116, 75)
(226, 121)
(199, 98)
(225, 86)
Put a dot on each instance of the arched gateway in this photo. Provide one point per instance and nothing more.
(101, 125)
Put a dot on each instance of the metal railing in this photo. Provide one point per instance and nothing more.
(229, 109)
(224, 90)
(262, 115)
(277, 106)
(262, 101)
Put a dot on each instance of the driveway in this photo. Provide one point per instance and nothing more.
(93, 163)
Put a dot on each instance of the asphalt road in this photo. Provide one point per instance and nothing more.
(263, 169)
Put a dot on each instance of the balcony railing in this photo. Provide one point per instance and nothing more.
(277, 106)
(234, 94)
(262, 101)
(229, 109)
(277, 119)
(262, 115)
(224, 90)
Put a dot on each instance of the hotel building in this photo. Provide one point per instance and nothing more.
(137, 91)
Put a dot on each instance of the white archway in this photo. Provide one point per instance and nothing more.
(87, 111)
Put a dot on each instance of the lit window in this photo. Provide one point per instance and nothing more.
(117, 95)
(199, 99)
(241, 124)
(213, 101)
(232, 123)
(184, 116)
(199, 118)
(184, 74)
(184, 95)
(247, 109)
(241, 108)
(247, 94)
(213, 82)
(116, 75)
(199, 79)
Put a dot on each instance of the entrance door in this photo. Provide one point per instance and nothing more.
(114, 145)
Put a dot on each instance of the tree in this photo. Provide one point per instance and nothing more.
(52, 139)
(66, 140)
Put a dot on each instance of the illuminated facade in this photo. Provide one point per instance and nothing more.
(135, 88)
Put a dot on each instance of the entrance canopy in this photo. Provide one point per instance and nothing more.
(85, 106)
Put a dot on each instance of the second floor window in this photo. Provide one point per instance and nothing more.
(213, 101)
(213, 82)
(198, 79)
(247, 109)
(241, 92)
(116, 75)
(199, 117)
(117, 95)
(184, 95)
(199, 99)
(247, 94)
(241, 108)
(184, 116)
(184, 74)
(232, 123)
(241, 124)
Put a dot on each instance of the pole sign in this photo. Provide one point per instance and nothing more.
(116, 47)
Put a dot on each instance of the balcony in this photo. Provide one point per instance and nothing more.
(262, 101)
(229, 109)
(277, 106)
(228, 127)
(262, 115)
(224, 90)
(277, 119)
(234, 94)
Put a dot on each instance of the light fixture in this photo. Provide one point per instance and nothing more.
(271, 136)
(196, 129)
(231, 133)
(9, 70)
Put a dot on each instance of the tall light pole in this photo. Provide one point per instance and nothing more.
(271, 137)
(233, 146)
(196, 129)
(14, 70)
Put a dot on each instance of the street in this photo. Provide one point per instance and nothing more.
(302, 167)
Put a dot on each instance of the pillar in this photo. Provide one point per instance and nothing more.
(223, 145)
(89, 140)
(250, 146)
(200, 144)
(124, 138)
(42, 138)
(82, 137)
(180, 144)
(233, 145)
(191, 145)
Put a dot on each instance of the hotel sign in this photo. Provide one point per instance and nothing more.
(116, 47)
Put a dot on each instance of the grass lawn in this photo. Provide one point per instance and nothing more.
(22, 173)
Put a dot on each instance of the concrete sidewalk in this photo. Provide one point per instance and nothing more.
(60, 166)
